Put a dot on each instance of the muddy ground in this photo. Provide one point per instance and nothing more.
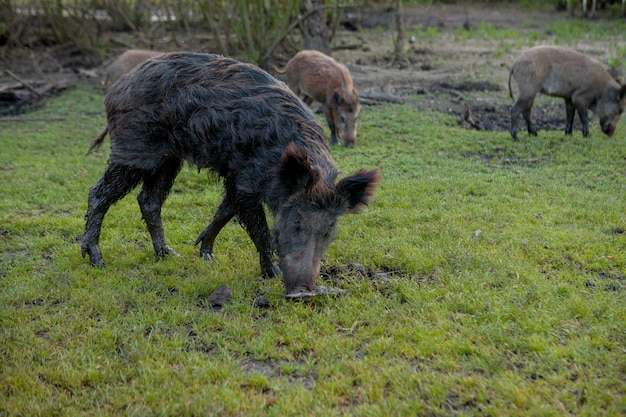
(443, 73)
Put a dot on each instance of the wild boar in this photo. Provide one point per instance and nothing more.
(318, 77)
(239, 121)
(580, 80)
(126, 62)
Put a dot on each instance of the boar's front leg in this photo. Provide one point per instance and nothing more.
(570, 111)
(225, 212)
(581, 108)
(116, 182)
(331, 116)
(154, 191)
(252, 217)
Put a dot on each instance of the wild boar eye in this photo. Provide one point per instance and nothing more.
(330, 230)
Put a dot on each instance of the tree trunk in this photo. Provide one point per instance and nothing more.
(314, 30)
(399, 58)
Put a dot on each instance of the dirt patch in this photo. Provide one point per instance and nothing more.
(464, 76)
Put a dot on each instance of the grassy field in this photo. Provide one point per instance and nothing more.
(500, 288)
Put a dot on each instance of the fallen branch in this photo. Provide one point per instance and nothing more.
(24, 83)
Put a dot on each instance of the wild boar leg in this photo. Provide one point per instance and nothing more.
(529, 124)
(116, 182)
(253, 220)
(584, 119)
(331, 118)
(570, 112)
(153, 193)
(225, 212)
(522, 106)
(307, 100)
(581, 103)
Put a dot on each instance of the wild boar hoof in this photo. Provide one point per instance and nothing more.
(271, 272)
(207, 256)
(276, 269)
(95, 258)
(166, 251)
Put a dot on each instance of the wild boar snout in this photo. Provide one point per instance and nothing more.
(609, 127)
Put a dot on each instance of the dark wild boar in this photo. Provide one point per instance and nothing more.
(318, 77)
(241, 122)
(577, 78)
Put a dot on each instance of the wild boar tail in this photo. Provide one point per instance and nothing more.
(510, 90)
(97, 142)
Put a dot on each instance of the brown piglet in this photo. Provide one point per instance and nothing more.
(126, 62)
(318, 77)
(122, 65)
(580, 80)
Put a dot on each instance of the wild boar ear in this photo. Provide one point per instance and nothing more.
(358, 190)
(295, 170)
(337, 99)
(622, 92)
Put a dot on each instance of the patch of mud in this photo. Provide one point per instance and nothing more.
(609, 281)
(275, 369)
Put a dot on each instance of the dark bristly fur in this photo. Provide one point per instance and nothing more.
(239, 121)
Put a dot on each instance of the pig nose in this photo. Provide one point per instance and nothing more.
(609, 129)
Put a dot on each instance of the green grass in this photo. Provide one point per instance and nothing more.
(507, 295)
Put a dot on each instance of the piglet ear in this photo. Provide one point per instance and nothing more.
(295, 170)
(622, 92)
(337, 98)
(358, 190)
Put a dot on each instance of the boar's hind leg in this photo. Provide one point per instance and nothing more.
(155, 189)
(223, 215)
(116, 182)
(522, 106)
(570, 111)
(252, 217)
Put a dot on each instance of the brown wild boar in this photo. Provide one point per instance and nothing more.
(122, 65)
(580, 80)
(318, 77)
(126, 62)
